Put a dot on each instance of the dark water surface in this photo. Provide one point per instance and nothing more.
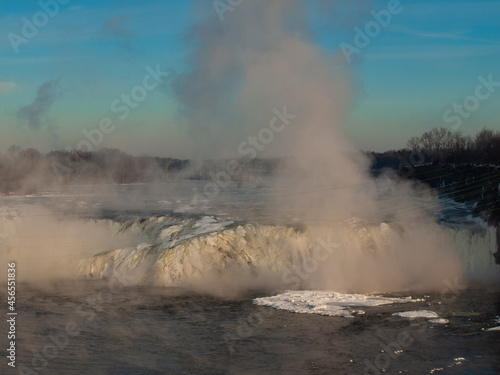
(151, 330)
(94, 327)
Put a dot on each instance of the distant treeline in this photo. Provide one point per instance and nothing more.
(463, 168)
(27, 170)
(440, 145)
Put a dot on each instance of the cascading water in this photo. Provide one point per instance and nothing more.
(178, 251)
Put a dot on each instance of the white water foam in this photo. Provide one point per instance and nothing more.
(182, 250)
(174, 250)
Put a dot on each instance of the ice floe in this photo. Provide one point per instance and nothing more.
(327, 303)
(416, 314)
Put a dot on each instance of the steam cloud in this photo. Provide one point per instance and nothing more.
(262, 56)
(45, 98)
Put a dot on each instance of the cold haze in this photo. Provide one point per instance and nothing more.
(68, 75)
(185, 187)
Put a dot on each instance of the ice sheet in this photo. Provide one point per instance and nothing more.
(416, 314)
(327, 303)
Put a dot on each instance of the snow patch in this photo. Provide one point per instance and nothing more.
(416, 314)
(326, 303)
(439, 321)
(207, 224)
(169, 232)
(493, 329)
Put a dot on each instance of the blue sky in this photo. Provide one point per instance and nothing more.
(429, 57)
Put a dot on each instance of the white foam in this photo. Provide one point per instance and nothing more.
(416, 314)
(439, 321)
(326, 303)
(207, 224)
(196, 253)
(188, 249)
(169, 232)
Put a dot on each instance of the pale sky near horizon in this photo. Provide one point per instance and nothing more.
(68, 73)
